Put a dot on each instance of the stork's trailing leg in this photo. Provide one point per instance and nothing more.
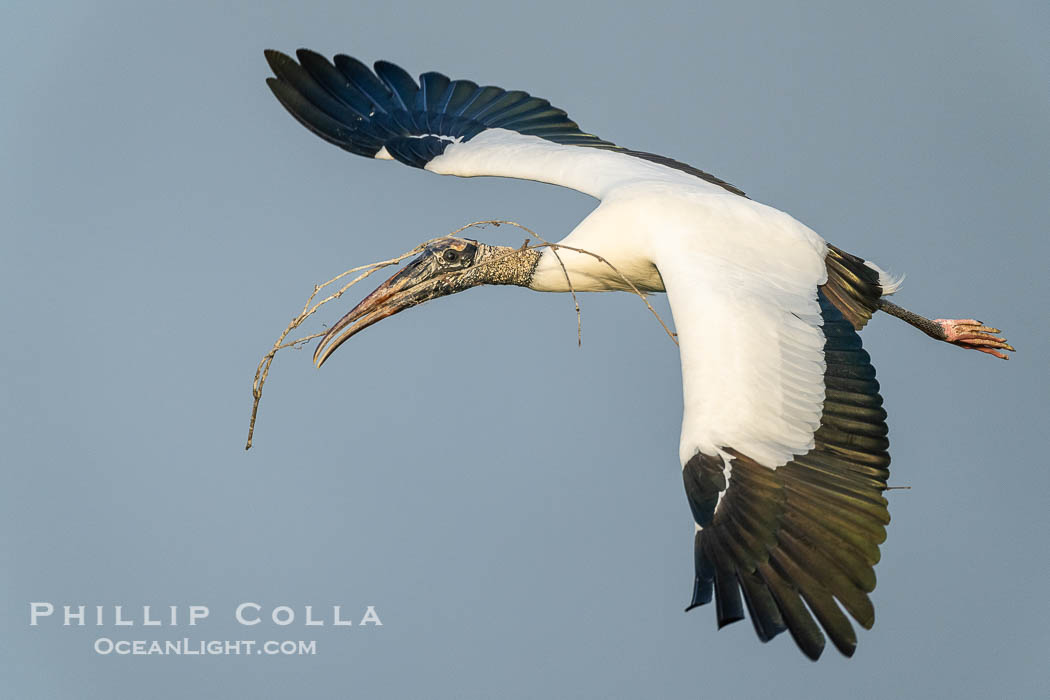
(966, 332)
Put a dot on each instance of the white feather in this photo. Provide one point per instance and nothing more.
(889, 283)
(752, 352)
(741, 278)
(593, 171)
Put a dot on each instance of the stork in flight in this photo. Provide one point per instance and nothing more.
(783, 447)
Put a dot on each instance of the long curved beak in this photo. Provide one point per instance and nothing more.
(410, 287)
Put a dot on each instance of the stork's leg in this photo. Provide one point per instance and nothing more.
(965, 332)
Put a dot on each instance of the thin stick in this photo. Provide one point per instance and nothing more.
(670, 334)
(554, 247)
(262, 371)
(572, 290)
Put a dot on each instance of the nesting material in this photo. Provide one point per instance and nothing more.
(262, 371)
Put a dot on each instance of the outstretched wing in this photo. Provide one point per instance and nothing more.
(456, 127)
(784, 451)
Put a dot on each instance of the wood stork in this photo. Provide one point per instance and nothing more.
(783, 445)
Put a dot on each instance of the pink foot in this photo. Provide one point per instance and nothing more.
(972, 334)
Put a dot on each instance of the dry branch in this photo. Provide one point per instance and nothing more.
(262, 371)
(554, 248)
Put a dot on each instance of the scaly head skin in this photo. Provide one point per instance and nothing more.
(445, 267)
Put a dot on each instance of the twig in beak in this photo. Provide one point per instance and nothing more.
(554, 248)
(262, 371)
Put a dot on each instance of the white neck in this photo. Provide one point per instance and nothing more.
(589, 274)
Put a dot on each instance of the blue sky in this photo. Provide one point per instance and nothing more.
(510, 504)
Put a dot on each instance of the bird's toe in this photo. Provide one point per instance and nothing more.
(974, 335)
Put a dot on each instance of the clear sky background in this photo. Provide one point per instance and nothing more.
(511, 504)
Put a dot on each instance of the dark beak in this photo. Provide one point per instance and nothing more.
(410, 287)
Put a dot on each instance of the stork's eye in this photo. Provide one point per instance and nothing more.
(451, 256)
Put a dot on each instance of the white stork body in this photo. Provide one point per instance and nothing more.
(741, 278)
(783, 448)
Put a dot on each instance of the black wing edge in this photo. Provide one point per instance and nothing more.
(801, 541)
(363, 111)
(852, 286)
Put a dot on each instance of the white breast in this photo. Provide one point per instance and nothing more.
(742, 281)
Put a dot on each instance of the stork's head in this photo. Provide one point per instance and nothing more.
(445, 267)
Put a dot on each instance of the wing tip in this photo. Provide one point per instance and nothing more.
(275, 59)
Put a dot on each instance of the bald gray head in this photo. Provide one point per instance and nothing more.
(483, 264)
(447, 266)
